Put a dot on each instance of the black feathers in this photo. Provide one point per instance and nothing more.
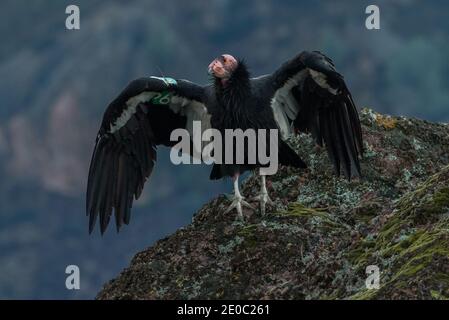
(121, 163)
(334, 121)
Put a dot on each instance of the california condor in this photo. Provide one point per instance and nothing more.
(306, 94)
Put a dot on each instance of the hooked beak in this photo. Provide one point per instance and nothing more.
(217, 69)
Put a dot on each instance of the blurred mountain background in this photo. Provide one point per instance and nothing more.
(55, 85)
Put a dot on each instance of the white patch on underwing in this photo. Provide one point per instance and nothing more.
(130, 109)
(284, 105)
(321, 80)
(191, 109)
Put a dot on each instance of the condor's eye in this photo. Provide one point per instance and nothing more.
(223, 58)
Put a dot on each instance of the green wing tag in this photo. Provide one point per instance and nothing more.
(166, 80)
(163, 97)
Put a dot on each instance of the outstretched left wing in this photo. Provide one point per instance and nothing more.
(307, 94)
(140, 118)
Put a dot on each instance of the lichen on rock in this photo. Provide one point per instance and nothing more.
(322, 232)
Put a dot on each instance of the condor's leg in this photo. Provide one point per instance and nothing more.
(238, 200)
(263, 196)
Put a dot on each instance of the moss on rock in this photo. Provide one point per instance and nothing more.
(413, 243)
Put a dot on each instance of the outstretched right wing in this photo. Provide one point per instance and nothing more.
(140, 118)
(307, 94)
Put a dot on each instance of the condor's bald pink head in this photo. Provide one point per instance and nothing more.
(223, 66)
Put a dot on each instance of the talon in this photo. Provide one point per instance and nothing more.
(263, 198)
(238, 201)
(246, 204)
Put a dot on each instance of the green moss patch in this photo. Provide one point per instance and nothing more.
(412, 246)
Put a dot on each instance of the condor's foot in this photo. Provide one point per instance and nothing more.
(237, 200)
(238, 203)
(263, 198)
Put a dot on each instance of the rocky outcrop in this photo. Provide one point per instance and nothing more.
(322, 232)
